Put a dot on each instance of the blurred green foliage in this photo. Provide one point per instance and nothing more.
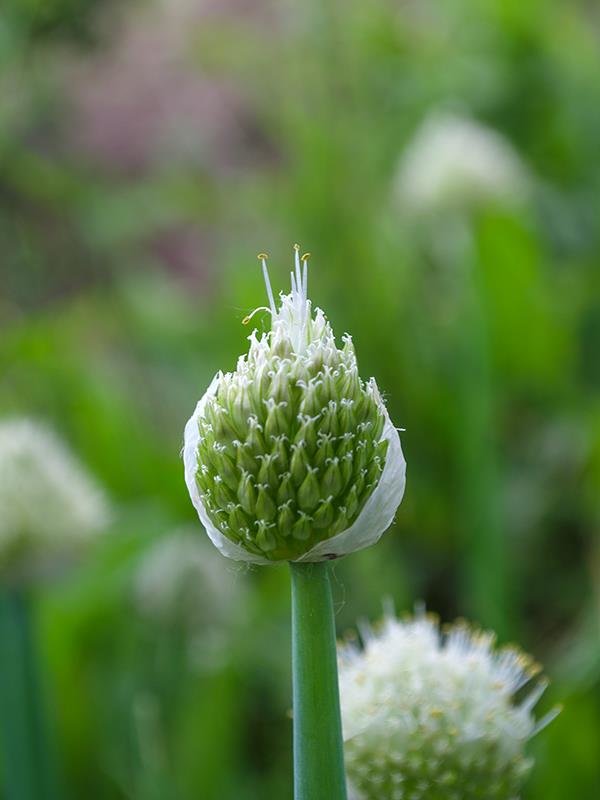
(111, 331)
(43, 18)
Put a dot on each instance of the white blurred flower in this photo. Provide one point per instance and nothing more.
(431, 715)
(455, 163)
(49, 505)
(181, 580)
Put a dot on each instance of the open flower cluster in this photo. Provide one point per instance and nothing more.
(49, 505)
(292, 456)
(431, 715)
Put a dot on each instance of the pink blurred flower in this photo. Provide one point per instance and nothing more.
(141, 103)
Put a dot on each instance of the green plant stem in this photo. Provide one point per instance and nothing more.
(488, 594)
(27, 763)
(318, 747)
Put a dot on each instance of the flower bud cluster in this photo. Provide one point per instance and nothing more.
(286, 451)
(429, 715)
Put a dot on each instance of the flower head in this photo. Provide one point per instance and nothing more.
(292, 456)
(453, 163)
(427, 714)
(180, 579)
(49, 505)
(181, 585)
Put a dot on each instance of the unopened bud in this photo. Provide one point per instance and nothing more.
(293, 456)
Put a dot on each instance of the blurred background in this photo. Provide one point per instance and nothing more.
(441, 162)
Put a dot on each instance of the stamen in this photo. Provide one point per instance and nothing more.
(247, 318)
(299, 296)
(263, 258)
(304, 260)
(546, 720)
(297, 265)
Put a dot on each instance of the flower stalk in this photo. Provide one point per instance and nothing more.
(318, 748)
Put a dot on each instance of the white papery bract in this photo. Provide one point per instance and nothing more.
(454, 163)
(292, 457)
(50, 506)
(432, 716)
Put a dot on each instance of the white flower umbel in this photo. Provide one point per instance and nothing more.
(181, 578)
(182, 584)
(49, 504)
(454, 163)
(428, 714)
(292, 457)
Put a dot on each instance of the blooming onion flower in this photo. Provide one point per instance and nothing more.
(292, 456)
(427, 715)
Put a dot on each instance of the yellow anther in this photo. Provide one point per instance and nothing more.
(262, 256)
(305, 257)
(296, 247)
(249, 316)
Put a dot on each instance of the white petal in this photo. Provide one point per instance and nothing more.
(353, 794)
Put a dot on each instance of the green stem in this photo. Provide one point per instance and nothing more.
(27, 763)
(318, 747)
(487, 584)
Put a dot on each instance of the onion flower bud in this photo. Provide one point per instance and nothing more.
(293, 457)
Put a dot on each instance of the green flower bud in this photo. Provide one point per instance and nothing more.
(266, 509)
(286, 492)
(303, 527)
(286, 518)
(325, 514)
(247, 493)
(264, 536)
(245, 460)
(292, 456)
(309, 492)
